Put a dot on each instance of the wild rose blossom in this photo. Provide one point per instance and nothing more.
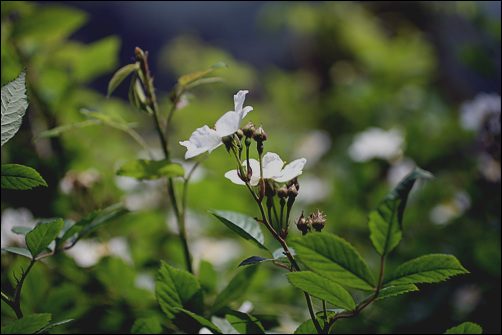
(272, 169)
(207, 139)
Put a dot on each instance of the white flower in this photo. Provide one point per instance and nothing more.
(272, 169)
(376, 143)
(206, 139)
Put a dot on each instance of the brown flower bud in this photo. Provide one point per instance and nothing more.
(318, 220)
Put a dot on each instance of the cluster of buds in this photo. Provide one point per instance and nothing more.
(316, 221)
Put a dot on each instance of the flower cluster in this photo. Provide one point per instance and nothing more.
(316, 221)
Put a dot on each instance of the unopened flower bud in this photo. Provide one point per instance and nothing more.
(318, 220)
(228, 141)
(295, 182)
(259, 134)
(248, 129)
(282, 192)
(270, 187)
(303, 224)
(239, 133)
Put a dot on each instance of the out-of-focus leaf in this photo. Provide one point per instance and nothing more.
(59, 130)
(177, 288)
(14, 105)
(334, 258)
(465, 328)
(97, 58)
(149, 325)
(322, 288)
(244, 323)
(386, 222)
(148, 169)
(49, 23)
(28, 324)
(189, 78)
(42, 235)
(120, 75)
(235, 289)
(20, 177)
(253, 260)
(426, 269)
(21, 230)
(245, 226)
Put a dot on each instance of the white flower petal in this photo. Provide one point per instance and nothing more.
(234, 177)
(201, 140)
(228, 124)
(292, 170)
(239, 100)
(272, 165)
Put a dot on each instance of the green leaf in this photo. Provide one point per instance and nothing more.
(465, 328)
(244, 323)
(235, 289)
(28, 324)
(386, 222)
(120, 75)
(177, 288)
(308, 327)
(201, 320)
(208, 276)
(391, 291)
(20, 177)
(21, 230)
(188, 78)
(97, 58)
(322, 288)
(42, 235)
(20, 251)
(148, 169)
(52, 325)
(426, 269)
(245, 226)
(14, 105)
(334, 258)
(149, 325)
(56, 131)
(253, 260)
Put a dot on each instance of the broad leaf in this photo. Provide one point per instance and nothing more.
(42, 235)
(245, 226)
(20, 177)
(46, 329)
(21, 230)
(390, 291)
(322, 288)
(201, 320)
(235, 289)
(426, 269)
(244, 323)
(14, 105)
(20, 251)
(120, 75)
(385, 222)
(308, 327)
(28, 324)
(253, 260)
(465, 328)
(148, 169)
(334, 258)
(188, 78)
(177, 288)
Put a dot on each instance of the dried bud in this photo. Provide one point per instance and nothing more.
(259, 134)
(248, 130)
(318, 220)
(303, 224)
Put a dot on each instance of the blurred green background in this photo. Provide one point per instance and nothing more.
(364, 90)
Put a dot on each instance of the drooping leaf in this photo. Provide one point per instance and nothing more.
(334, 258)
(28, 324)
(426, 269)
(235, 289)
(322, 288)
(203, 322)
(189, 78)
(148, 169)
(20, 177)
(120, 75)
(244, 323)
(245, 226)
(20, 251)
(56, 131)
(14, 105)
(21, 230)
(253, 260)
(465, 328)
(385, 222)
(150, 325)
(42, 235)
(177, 288)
